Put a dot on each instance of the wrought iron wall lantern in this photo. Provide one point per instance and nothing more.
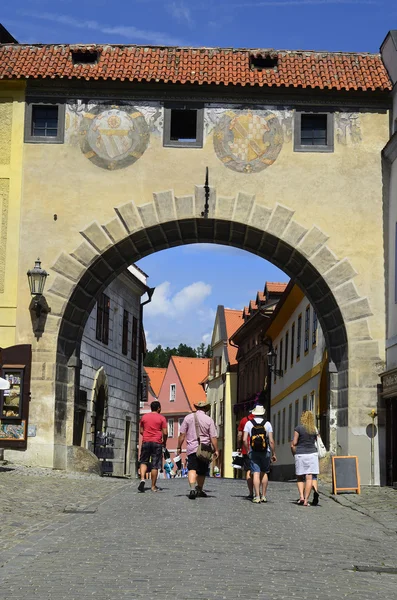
(38, 306)
(272, 363)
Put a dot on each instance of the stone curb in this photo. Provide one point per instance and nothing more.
(344, 501)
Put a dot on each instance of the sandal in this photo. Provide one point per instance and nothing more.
(300, 502)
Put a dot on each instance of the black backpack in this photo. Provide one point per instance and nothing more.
(258, 436)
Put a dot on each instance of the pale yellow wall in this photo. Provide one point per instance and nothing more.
(229, 422)
(340, 193)
(11, 152)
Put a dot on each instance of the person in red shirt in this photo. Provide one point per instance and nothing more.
(154, 432)
(241, 448)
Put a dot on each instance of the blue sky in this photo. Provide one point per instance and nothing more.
(192, 280)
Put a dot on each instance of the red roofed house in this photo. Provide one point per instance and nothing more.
(252, 349)
(154, 377)
(180, 389)
(222, 382)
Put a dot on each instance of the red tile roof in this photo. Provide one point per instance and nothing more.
(156, 376)
(261, 297)
(234, 320)
(226, 66)
(276, 288)
(191, 372)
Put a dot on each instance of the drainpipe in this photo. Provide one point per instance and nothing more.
(150, 292)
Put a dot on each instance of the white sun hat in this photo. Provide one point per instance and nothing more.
(258, 411)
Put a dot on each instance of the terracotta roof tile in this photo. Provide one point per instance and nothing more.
(219, 66)
(191, 372)
(276, 288)
(156, 376)
(234, 320)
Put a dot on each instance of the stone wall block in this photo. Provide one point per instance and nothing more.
(260, 216)
(115, 230)
(224, 207)
(313, 241)
(294, 233)
(148, 214)
(52, 324)
(341, 272)
(62, 287)
(199, 199)
(324, 259)
(96, 236)
(243, 207)
(184, 207)
(346, 293)
(56, 303)
(279, 220)
(85, 254)
(50, 370)
(358, 330)
(38, 370)
(129, 215)
(358, 309)
(165, 206)
(366, 350)
(68, 267)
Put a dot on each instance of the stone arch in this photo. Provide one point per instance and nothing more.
(272, 233)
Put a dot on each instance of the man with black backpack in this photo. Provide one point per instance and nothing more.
(261, 451)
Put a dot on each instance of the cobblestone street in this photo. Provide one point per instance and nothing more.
(69, 537)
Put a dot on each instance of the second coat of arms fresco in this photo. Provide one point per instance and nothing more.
(248, 142)
(113, 137)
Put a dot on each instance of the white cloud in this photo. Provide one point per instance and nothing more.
(207, 338)
(187, 300)
(180, 12)
(127, 31)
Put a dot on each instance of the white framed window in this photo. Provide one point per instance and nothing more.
(172, 392)
(220, 420)
(312, 401)
(180, 421)
(170, 423)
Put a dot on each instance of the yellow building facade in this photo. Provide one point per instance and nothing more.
(12, 106)
(122, 176)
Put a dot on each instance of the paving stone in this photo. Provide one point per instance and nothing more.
(168, 547)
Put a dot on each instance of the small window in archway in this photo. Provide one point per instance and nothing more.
(183, 125)
(313, 132)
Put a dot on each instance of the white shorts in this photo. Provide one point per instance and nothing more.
(306, 464)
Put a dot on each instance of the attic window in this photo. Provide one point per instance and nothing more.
(90, 57)
(263, 62)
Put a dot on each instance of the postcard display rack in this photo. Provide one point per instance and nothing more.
(14, 402)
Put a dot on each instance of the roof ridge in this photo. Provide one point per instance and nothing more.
(216, 48)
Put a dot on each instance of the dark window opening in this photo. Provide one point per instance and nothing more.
(124, 345)
(102, 321)
(183, 125)
(84, 58)
(134, 345)
(44, 121)
(313, 130)
(263, 62)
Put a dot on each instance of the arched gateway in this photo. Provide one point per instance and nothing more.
(109, 150)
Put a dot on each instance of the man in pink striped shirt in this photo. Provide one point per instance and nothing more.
(197, 469)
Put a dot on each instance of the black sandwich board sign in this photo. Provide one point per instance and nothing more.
(345, 475)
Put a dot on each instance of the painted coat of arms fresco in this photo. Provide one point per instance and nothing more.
(248, 142)
(113, 137)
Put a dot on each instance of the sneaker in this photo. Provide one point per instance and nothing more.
(192, 495)
(141, 487)
(201, 494)
(315, 499)
(256, 500)
(250, 497)
(263, 499)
